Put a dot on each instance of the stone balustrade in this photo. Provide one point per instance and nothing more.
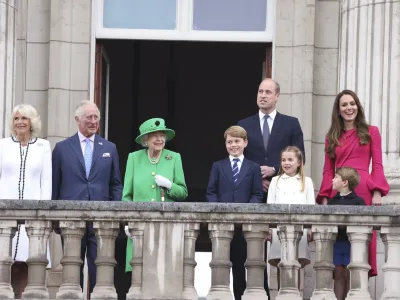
(164, 237)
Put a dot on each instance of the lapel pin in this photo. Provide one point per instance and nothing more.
(100, 143)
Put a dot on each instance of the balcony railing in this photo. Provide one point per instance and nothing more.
(165, 234)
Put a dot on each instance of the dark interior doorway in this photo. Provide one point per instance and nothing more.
(199, 88)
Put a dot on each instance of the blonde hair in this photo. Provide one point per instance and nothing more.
(29, 112)
(237, 132)
(349, 174)
(300, 169)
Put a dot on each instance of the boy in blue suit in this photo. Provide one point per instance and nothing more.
(236, 179)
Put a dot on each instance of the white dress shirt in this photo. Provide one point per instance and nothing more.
(239, 163)
(270, 120)
(82, 139)
(286, 189)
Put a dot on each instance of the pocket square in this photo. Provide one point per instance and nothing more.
(106, 154)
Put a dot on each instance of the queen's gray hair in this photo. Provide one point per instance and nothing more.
(80, 111)
(29, 112)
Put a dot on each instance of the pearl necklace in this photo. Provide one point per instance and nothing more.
(154, 161)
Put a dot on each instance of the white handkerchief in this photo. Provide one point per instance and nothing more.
(106, 154)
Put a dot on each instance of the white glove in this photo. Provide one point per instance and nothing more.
(163, 182)
(127, 232)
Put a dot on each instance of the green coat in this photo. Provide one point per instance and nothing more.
(140, 186)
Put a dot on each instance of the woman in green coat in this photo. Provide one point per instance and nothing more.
(151, 170)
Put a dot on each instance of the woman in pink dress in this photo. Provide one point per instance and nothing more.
(352, 142)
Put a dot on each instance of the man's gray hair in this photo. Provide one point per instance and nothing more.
(79, 111)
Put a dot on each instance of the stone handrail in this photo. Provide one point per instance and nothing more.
(164, 236)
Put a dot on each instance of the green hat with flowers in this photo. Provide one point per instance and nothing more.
(153, 125)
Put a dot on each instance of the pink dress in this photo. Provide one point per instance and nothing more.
(351, 154)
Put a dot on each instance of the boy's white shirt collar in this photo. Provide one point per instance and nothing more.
(241, 157)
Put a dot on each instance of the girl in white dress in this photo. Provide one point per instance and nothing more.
(291, 186)
(25, 174)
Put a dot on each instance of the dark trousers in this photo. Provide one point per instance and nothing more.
(89, 247)
(238, 257)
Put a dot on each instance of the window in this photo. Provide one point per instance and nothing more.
(201, 20)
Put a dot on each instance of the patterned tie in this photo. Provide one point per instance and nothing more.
(266, 132)
(235, 170)
(88, 156)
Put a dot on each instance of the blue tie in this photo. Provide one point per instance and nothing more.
(235, 170)
(88, 157)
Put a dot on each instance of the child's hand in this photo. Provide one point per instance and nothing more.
(309, 236)
(269, 236)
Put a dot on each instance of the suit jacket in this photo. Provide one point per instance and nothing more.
(248, 188)
(69, 176)
(286, 131)
(139, 184)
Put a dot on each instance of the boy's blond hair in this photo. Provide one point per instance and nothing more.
(349, 174)
(237, 132)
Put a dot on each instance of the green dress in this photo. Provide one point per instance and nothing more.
(140, 185)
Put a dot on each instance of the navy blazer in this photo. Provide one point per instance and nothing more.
(69, 176)
(248, 188)
(286, 131)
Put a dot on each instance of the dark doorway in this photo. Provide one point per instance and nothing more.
(199, 88)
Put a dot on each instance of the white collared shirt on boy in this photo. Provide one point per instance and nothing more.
(241, 157)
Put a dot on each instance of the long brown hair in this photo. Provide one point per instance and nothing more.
(300, 170)
(337, 124)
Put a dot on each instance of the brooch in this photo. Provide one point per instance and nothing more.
(168, 157)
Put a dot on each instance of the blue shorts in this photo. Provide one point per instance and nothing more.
(341, 253)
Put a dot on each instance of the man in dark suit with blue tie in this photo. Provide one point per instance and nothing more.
(86, 167)
(269, 132)
(236, 179)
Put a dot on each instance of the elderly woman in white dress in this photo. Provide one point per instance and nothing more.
(25, 174)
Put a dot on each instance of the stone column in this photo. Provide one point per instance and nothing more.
(72, 233)
(189, 263)
(391, 239)
(221, 236)
(38, 233)
(137, 234)
(7, 61)
(7, 231)
(324, 237)
(370, 65)
(255, 235)
(106, 232)
(289, 266)
(359, 237)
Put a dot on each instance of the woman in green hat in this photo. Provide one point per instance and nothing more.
(153, 171)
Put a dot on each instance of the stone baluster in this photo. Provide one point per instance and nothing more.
(106, 233)
(255, 235)
(391, 268)
(136, 231)
(221, 236)
(72, 233)
(324, 237)
(38, 233)
(359, 237)
(189, 263)
(7, 231)
(289, 266)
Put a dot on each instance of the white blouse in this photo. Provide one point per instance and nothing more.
(286, 189)
(32, 183)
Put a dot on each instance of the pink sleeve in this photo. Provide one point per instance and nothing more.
(377, 180)
(329, 172)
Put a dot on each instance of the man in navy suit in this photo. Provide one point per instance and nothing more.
(86, 167)
(269, 132)
(236, 179)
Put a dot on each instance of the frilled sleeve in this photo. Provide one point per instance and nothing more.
(325, 189)
(377, 180)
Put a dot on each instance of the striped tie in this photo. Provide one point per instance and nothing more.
(235, 170)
